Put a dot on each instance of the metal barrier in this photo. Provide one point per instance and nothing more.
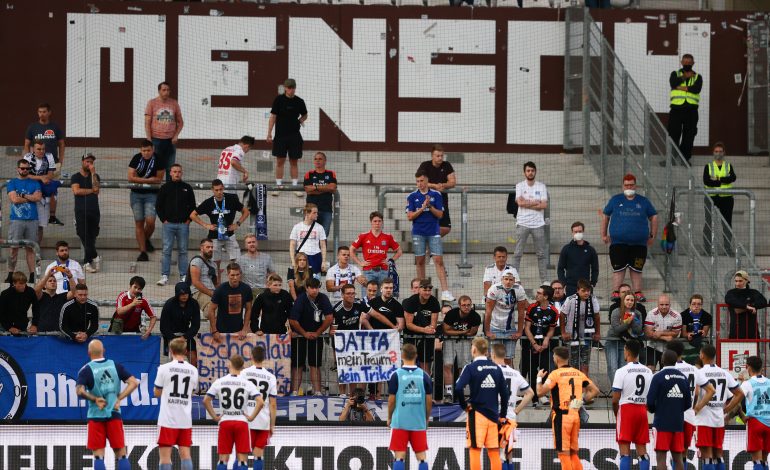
(7, 243)
(464, 192)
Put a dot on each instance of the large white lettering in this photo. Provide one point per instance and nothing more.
(87, 35)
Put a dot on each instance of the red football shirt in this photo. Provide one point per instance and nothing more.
(132, 318)
(375, 249)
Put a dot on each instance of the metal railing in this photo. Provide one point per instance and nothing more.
(607, 115)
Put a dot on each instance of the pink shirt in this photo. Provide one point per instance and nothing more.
(164, 117)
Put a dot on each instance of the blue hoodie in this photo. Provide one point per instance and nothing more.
(669, 397)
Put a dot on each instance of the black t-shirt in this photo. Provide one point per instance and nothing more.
(349, 319)
(392, 310)
(311, 313)
(49, 309)
(291, 277)
(212, 208)
(231, 302)
(455, 321)
(90, 202)
(287, 112)
(693, 324)
(422, 312)
(145, 169)
(542, 319)
(270, 312)
(49, 133)
(324, 201)
(438, 175)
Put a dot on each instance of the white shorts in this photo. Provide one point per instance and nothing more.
(230, 246)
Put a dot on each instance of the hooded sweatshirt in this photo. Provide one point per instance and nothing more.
(177, 320)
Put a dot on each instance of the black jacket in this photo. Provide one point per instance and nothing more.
(15, 306)
(744, 325)
(175, 202)
(76, 317)
(578, 262)
(175, 319)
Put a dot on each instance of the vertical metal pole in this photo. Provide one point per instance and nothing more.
(381, 201)
(464, 231)
(752, 226)
(336, 220)
(567, 139)
(624, 117)
(586, 91)
(604, 79)
(647, 137)
(690, 209)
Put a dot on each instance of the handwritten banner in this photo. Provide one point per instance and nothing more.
(213, 357)
(366, 356)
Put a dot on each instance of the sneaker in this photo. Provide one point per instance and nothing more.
(163, 280)
(143, 257)
(343, 396)
(317, 394)
(640, 297)
(89, 268)
(447, 296)
(98, 264)
(54, 221)
(9, 279)
(183, 278)
(148, 245)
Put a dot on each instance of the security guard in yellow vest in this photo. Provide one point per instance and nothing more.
(719, 174)
(686, 86)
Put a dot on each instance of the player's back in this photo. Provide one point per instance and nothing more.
(668, 397)
(712, 415)
(566, 384)
(233, 393)
(689, 371)
(225, 171)
(516, 384)
(266, 384)
(179, 380)
(633, 382)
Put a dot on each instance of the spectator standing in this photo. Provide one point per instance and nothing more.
(743, 303)
(341, 274)
(580, 325)
(320, 185)
(309, 237)
(374, 246)
(16, 301)
(63, 262)
(532, 198)
(42, 168)
(632, 222)
(459, 326)
(686, 85)
(577, 260)
(420, 317)
(347, 317)
(506, 306)
(355, 409)
(696, 322)
(230, 168)
(311, 316)
(203, 276)
(385, 311)
(174, 204)
(625, 323)
(24, 194)
(271, 309)
(719, 174)
(85, 187)
(162, 125)
(53, 138)
(220, 209)
(45, 318)
(79, 317)
(145, 169)
(256, 266)
(230, 307)
(287, 115)
(441, 176)
(668, 398)
(131, 308)
(298, 275)
(539, 327)
(661, 326)
(424, 208)
(181, 318)
(493, 273)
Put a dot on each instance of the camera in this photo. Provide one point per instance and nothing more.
(360, 397)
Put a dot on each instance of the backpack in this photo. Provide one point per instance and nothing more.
(511, 206)
(212, 272)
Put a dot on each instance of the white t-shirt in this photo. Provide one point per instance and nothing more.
(313, 244)
(495, 276)
(671, 321)
(504, 313)
(75, 268)
(689, 371)
(233, 393)
(531, 218)
(516, 385)
(266, 383)
(340, 277)
(633, 382)
(179, 381)
(225, 170)
(713, 414)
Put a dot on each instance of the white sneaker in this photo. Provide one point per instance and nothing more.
(447, 296)
(88, 268)
(299, 194)
(183, 278)
(98, 264)
(163, 280)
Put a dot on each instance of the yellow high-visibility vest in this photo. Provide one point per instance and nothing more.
(715, 172)
(679, 97)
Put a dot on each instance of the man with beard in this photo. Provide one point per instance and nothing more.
(85, 187)
(202, 275)
(63, 261)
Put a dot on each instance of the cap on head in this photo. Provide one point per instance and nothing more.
(87, 156)
(509, 273)
(290, 83)
(742, 274)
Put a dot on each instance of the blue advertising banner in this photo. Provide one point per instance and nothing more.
(38, 375)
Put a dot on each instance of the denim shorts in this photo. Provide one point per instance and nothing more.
(143, 205)
(504, 337)
(434, 245)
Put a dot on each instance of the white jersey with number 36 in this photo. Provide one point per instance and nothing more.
(233, 393)
(713, 414)
(225, 171)
(179, 381)
(633, 382)
(516, 385)
(266, 383)
(689, 371)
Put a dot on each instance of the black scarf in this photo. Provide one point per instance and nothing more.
(589, 328)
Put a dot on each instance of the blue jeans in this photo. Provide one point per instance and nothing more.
(372, 275)
(166, 153)
(180, 233)
(325, 221)
(613, 350)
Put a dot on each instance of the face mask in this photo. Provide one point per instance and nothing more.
(629, 192)
(577, 236)
(687, 68)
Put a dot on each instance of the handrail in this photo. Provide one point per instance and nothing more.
(9, 243)
(464, 192)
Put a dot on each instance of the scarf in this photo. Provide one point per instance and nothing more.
(588, 320)
(145, 168)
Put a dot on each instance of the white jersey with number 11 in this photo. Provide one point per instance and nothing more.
(179, 380)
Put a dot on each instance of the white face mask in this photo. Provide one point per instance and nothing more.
(629, 192)
(577, 236)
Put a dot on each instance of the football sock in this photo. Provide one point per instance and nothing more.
(644, 462)
(566, 462)
(757, 465)
(243, 465)
(495, 463)
(124, 464)
(221, 466)
(186, 465)
(708, 464)
(625, 462)
(719, 464)
(423, 465)
(99, 464)
(258, 463)
(398, 465)
(165, 466)
(576, 465)
(475, 457)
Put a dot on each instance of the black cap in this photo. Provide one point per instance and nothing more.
(87, 156)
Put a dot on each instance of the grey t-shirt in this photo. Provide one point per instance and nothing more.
(254, 269)
(208, 271)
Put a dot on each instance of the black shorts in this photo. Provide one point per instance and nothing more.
(445, 220)
(308, 351)
(290, 145)
(628, 256)
(425, 348)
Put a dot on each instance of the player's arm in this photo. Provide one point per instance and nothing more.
(131, 385)
(237, 165)
(210, 408)
(710, 391)
(462, 381)
(590, 392)
(489, 305)
(735, 401)
(392, 390)
(427, 384)
(197, 219)
(526, 399)
(544, 385)
(615, 402)
(273, 412)
(82, 392)
(503, 392)
(157, 391)
(259, 402)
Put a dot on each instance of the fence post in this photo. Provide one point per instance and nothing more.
(464, 232)
(624, 114)
(604, 79)
(566, 139)
(586, 98)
